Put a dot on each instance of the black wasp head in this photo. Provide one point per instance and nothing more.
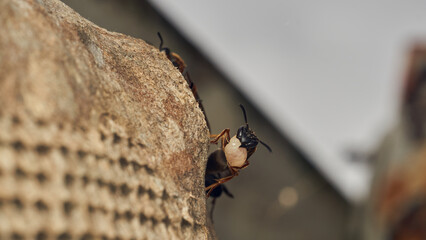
(247, 137)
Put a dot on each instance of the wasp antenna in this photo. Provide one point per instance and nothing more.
(161, 41)
(266, 145)
(166, 50)
(244, 112)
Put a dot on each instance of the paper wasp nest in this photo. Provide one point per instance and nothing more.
(100, 137)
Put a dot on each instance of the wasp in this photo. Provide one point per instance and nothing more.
(226, 162)
(178, 62)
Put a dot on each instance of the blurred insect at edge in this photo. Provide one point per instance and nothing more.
(178, 62)
(226, 162)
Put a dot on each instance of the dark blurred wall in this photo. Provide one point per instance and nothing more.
(280, 195)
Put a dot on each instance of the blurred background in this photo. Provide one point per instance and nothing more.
(322, 84)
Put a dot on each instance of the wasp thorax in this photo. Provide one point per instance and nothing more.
(235, 155)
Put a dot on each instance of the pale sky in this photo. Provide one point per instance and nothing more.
(327, 73)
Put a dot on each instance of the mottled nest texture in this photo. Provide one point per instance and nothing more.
(100, 136)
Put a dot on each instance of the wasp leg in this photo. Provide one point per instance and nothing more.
(226, 191)
(213, 203)
(216, 137)
(220, 181)
(234, 172)
(211, 188)
(224, 135)
(212, 209)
